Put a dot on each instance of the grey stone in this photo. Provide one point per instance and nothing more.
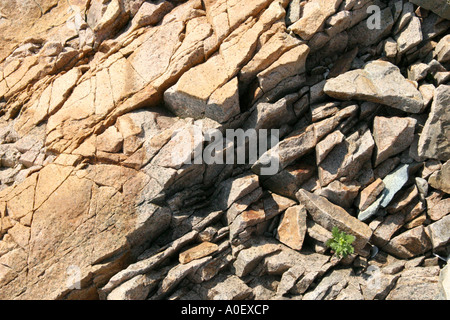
(376, 285)
(443, 49)
(234, 189)
(347, 158)
(302, 141)
(330, 286)
(342, 194)
(393, 183)
(444, 282)
(248, 259)
(411, 36)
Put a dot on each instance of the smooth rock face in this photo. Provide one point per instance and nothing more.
(106, 114)
(379, 82)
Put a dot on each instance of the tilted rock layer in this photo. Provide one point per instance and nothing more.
(100, 106)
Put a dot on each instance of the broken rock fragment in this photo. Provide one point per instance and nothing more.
(379, 82)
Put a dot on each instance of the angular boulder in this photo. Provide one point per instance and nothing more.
(379, 82)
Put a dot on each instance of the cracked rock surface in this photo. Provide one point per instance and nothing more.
(96, 98)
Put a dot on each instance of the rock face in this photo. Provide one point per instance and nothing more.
(116, 184)
(440, 7)
(392, 136)
(379, 82)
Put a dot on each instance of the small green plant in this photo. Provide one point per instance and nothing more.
(341, 243)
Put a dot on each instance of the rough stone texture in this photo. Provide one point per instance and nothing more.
(439, 232)
(444, 282)
(348, 158)
(393, 183)
(370, 194)
(440, 7)
(379, 82)
(202, 250)
(328, 215)
(434, 142)
(443, 49)
(410, 243)
(314, 15)
(417, 284)
(292, 228)
(392, 136)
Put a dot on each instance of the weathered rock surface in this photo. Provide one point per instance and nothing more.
(328, 215)
(379, 82)
(292, 228)
(434, 142)
(392, 136)
(440, 7)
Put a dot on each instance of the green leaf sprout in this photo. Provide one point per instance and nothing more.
(341, 243)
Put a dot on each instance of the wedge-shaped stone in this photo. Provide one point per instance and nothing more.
(379, 82)
(234, 189)
(269, 53)
(232, 288)
(393, 183)
(289, 64)
(196, 86)
(249, 258)
(409, 244)
(440, 7)
(439, 232)
(392, 136)
(314, 16)
(292, 228)
(434, 142)
(302, 141)
(347, 158)
(441, 178)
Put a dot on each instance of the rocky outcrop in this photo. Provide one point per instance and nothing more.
(111, 110)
